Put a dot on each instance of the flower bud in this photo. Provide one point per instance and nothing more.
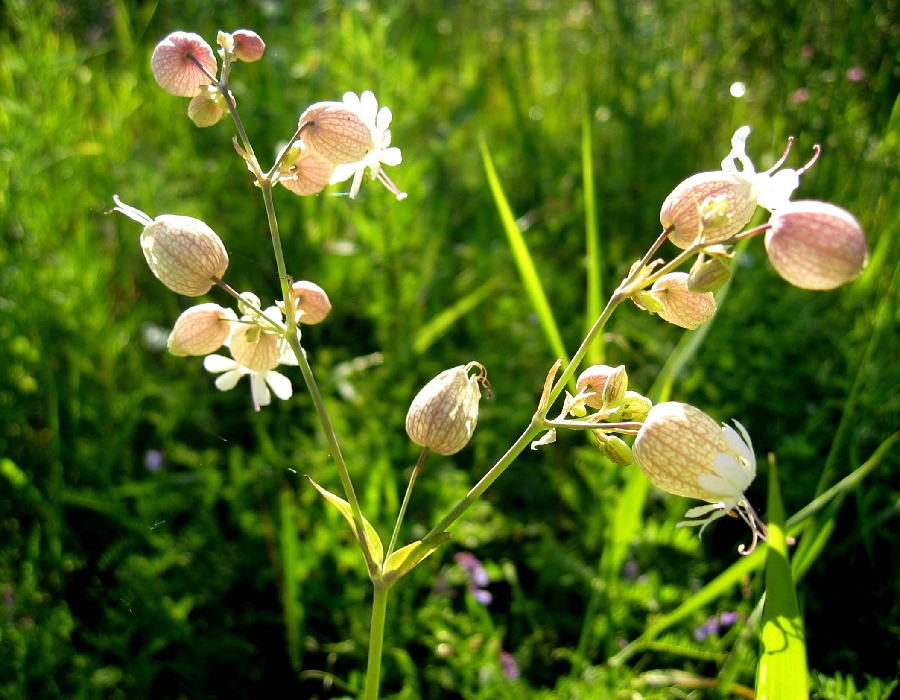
(683, 208)
(184, 254)
(444, 413)
(617, 450)
(173, 65)
(634, 407)
(608, 385)
(681, 306)
(248, 45)
(708, 275)
(312, 300)
(307, 173)
(254, 349)
(816, 245)
(335, 132)
(201, 330)
(685, 452)
(206, 108)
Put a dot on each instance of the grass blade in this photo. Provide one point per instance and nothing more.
(522, 256)
(594, 306)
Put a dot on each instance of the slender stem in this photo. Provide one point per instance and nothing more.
(409, 488)
(376, 640)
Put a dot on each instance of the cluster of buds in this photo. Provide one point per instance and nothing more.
(334, 141)
(189, 258)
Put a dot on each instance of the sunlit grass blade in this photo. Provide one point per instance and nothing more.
(524, 262)
(782, 672)
(594, 304)
(293, 613)
(431, 331)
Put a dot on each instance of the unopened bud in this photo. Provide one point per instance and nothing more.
(305, 172)
(708, 274)
(312, 300)
(207, 108)
(634, 408)
(173, 64)
(444, 413)
(681, 306)
(617, 450)
(608, 385)
(254, 349)
(683, 207)
(184, 253)
(336, 132)
(201, 330)
(248, 45)
(816, 245)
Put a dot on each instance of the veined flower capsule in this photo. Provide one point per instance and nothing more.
(335, 132)
(682, 207)
(444, 413)
(248, 45)
(816, 245)
(201, 330)
(681, 306)
(312, 300)
(184, 253)
(255, 350)
(305, 172)
(685, 452)
(608, 385)
(173, 64)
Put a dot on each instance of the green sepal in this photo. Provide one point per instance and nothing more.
(372, 540)
(404, 560)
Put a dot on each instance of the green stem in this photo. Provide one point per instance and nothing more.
(376, 640)
(409, 488)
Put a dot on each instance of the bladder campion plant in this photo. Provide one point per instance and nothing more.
(682, 450)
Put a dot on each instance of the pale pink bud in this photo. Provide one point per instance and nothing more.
(248, 45)
(201, 330)
(255, 349)
(312, 300)
(206, 109)
(173, 67)
(444, 413)
(608, 385)
(338, 134)
(683, 207)
(816, 245)
(681, 306)
(309, 173)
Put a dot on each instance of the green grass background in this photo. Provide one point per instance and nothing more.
(225, 573)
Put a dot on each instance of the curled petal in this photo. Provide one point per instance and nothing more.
(219, 363)
(391, 156)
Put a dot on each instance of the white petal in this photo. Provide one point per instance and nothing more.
(261, 395)
(229, 380)
(734, 471)
(702, 510)
(218, 363)
(357, 181)
(383, 120)
(717, 487)
(344, 172)
(280, 384)
(368, 107)
(288, 357)
(273, 313)
(391, 156)
(777, 190)
(351, 100)
(741, 446)
(739, 153)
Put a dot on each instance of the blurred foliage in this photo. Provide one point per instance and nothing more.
(144, 516)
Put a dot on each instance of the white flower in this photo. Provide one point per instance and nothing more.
(771, 189)
(256, 353)
(685, 452)
(378, 121)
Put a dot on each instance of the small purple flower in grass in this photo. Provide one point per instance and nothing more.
(714, 624)
(153, 460)
(478, 577)
(510, 667)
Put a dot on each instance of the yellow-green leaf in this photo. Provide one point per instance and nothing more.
(404, 560)
(372, 540)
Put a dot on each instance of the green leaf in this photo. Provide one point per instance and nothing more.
(372, 540)
(782, 672)
(524, 262)
(404, 560)
(437, 326)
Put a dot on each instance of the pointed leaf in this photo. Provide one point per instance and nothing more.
(782, 669)
(404, 560)
(372, 540)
